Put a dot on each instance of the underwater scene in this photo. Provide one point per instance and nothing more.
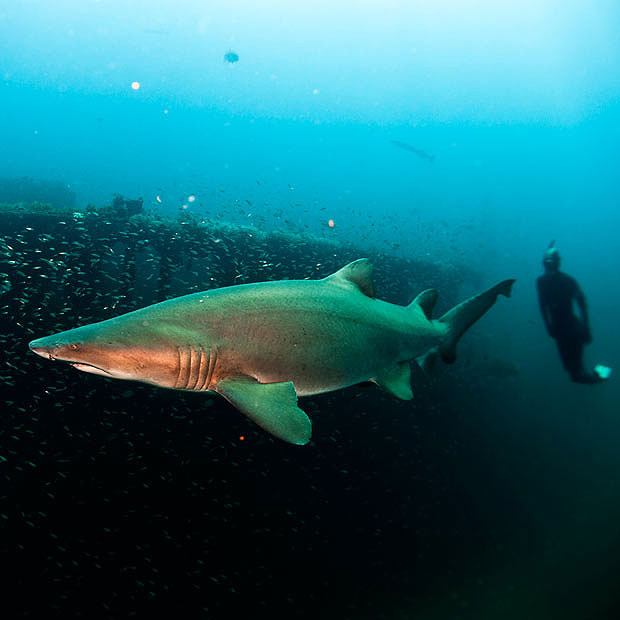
(309, 309)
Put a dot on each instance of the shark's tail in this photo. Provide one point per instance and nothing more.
(460, 318)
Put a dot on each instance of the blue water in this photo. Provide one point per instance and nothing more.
(517, 105)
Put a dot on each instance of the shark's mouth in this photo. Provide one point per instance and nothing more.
(90, 368)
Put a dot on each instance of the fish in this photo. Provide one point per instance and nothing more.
(414, 150)
(231, 57)
(262, 345)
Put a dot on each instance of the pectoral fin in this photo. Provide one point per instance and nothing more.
(273, 406)
(396, 380)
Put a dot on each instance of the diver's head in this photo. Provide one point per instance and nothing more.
(551, 258)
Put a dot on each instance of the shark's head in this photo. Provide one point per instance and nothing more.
(113, 351)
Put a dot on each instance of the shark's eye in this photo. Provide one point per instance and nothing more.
(74, 346)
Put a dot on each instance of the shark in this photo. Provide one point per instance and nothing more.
(262, 345)
(414, 150)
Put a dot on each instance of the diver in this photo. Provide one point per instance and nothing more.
(556, 293)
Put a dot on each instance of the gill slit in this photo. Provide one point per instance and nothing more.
(212, 361)
(179, 366)
(198, 369)
(198, 362)
(185, 364)
(190, 365)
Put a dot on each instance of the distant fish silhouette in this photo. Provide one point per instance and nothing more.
(231, 57)
(414, 150)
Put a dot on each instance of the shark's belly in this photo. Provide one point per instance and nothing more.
(317, 355)
(308, 374)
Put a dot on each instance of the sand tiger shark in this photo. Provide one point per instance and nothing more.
(262, 345)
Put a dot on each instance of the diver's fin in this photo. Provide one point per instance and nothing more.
(426, 300)
(603, 372)
(273, 406)
(465, 314)
(358, 273)
(397, 380)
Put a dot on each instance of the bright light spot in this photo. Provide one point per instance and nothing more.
(165, 111)
(330, 223)
(241, 438)
(135, 85)
(315, 91)
(184, 207)
(158, 199)
(191, 198)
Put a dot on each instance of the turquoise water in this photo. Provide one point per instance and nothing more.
(462, 134)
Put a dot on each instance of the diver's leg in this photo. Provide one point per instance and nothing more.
(573, 361)
(570, 343)
(579, 374)
(570, 354)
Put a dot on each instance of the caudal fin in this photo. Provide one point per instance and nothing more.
(460, 318)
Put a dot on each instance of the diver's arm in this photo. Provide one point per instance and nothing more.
(580, 298)
(544, 309)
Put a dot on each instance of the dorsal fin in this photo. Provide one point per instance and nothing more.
(427, 300)
(358, 273)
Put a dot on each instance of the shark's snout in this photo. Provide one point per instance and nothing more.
(54, 347)
(44, 347)
(73, 347)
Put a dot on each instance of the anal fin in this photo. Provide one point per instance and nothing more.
(273, 406)
(427, 361)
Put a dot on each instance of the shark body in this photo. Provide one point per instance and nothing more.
(414, 150)
(262, 345)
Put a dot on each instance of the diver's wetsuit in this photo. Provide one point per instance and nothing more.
(556, 293)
